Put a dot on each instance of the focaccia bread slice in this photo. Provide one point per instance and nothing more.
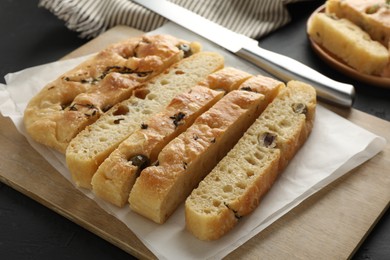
(235, 187)
(116, 175)
(79, 97)
(227, 79)
(349, 43)
(188, 158)
(373, 16)
(95, 143)
(267, 86)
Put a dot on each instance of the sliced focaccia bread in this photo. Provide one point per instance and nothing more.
(95, 143)
(116, 175)
(80, 96)
(269, 87)
(349, 43)
(189, 157)
(227, 79)
(373, 16)
(234, 188)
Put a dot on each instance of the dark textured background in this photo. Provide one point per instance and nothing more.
(31, 36)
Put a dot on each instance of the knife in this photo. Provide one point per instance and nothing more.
(280, 66)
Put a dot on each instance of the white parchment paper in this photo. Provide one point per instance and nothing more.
(334, 147)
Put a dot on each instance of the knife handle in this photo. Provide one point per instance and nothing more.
(286, 69)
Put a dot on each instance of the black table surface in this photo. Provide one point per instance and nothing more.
(32, 36)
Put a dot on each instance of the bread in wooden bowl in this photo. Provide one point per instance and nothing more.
(355, 33)
(349, 43)
(373, 16)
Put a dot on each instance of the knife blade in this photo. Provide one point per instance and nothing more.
(280, 66)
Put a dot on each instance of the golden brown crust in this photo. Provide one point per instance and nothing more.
(77, 98)
(237, 184)
(97, 141)
(116, 175)
(227, 79)
(190, 156)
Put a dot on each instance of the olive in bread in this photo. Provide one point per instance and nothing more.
(189, 157)
(64, 107)
(96, 142)
(234, 188)
(116, 175)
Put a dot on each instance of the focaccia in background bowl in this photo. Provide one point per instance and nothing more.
(373, 16)
(356, 32)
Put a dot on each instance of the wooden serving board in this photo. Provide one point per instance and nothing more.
(331, 224)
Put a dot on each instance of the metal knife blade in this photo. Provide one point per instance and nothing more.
(280, 66)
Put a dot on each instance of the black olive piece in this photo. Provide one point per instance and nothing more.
(141, 161)
(186, 49)
(247, 89)
(117, 121)
(177, 118)
(268, 140)
(299, 108)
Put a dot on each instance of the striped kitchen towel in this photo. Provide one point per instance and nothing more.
(253, 18)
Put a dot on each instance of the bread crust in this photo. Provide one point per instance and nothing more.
(227, 79)
(117, 174)
(235, 187)
(96, 142)
(185, 161)
(80, 96)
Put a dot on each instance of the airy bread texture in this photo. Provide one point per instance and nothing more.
(95, 143)
(349, 42)
(116, 175)
(185, 161)
(234, 188)
(80, 96)
(373, 16)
